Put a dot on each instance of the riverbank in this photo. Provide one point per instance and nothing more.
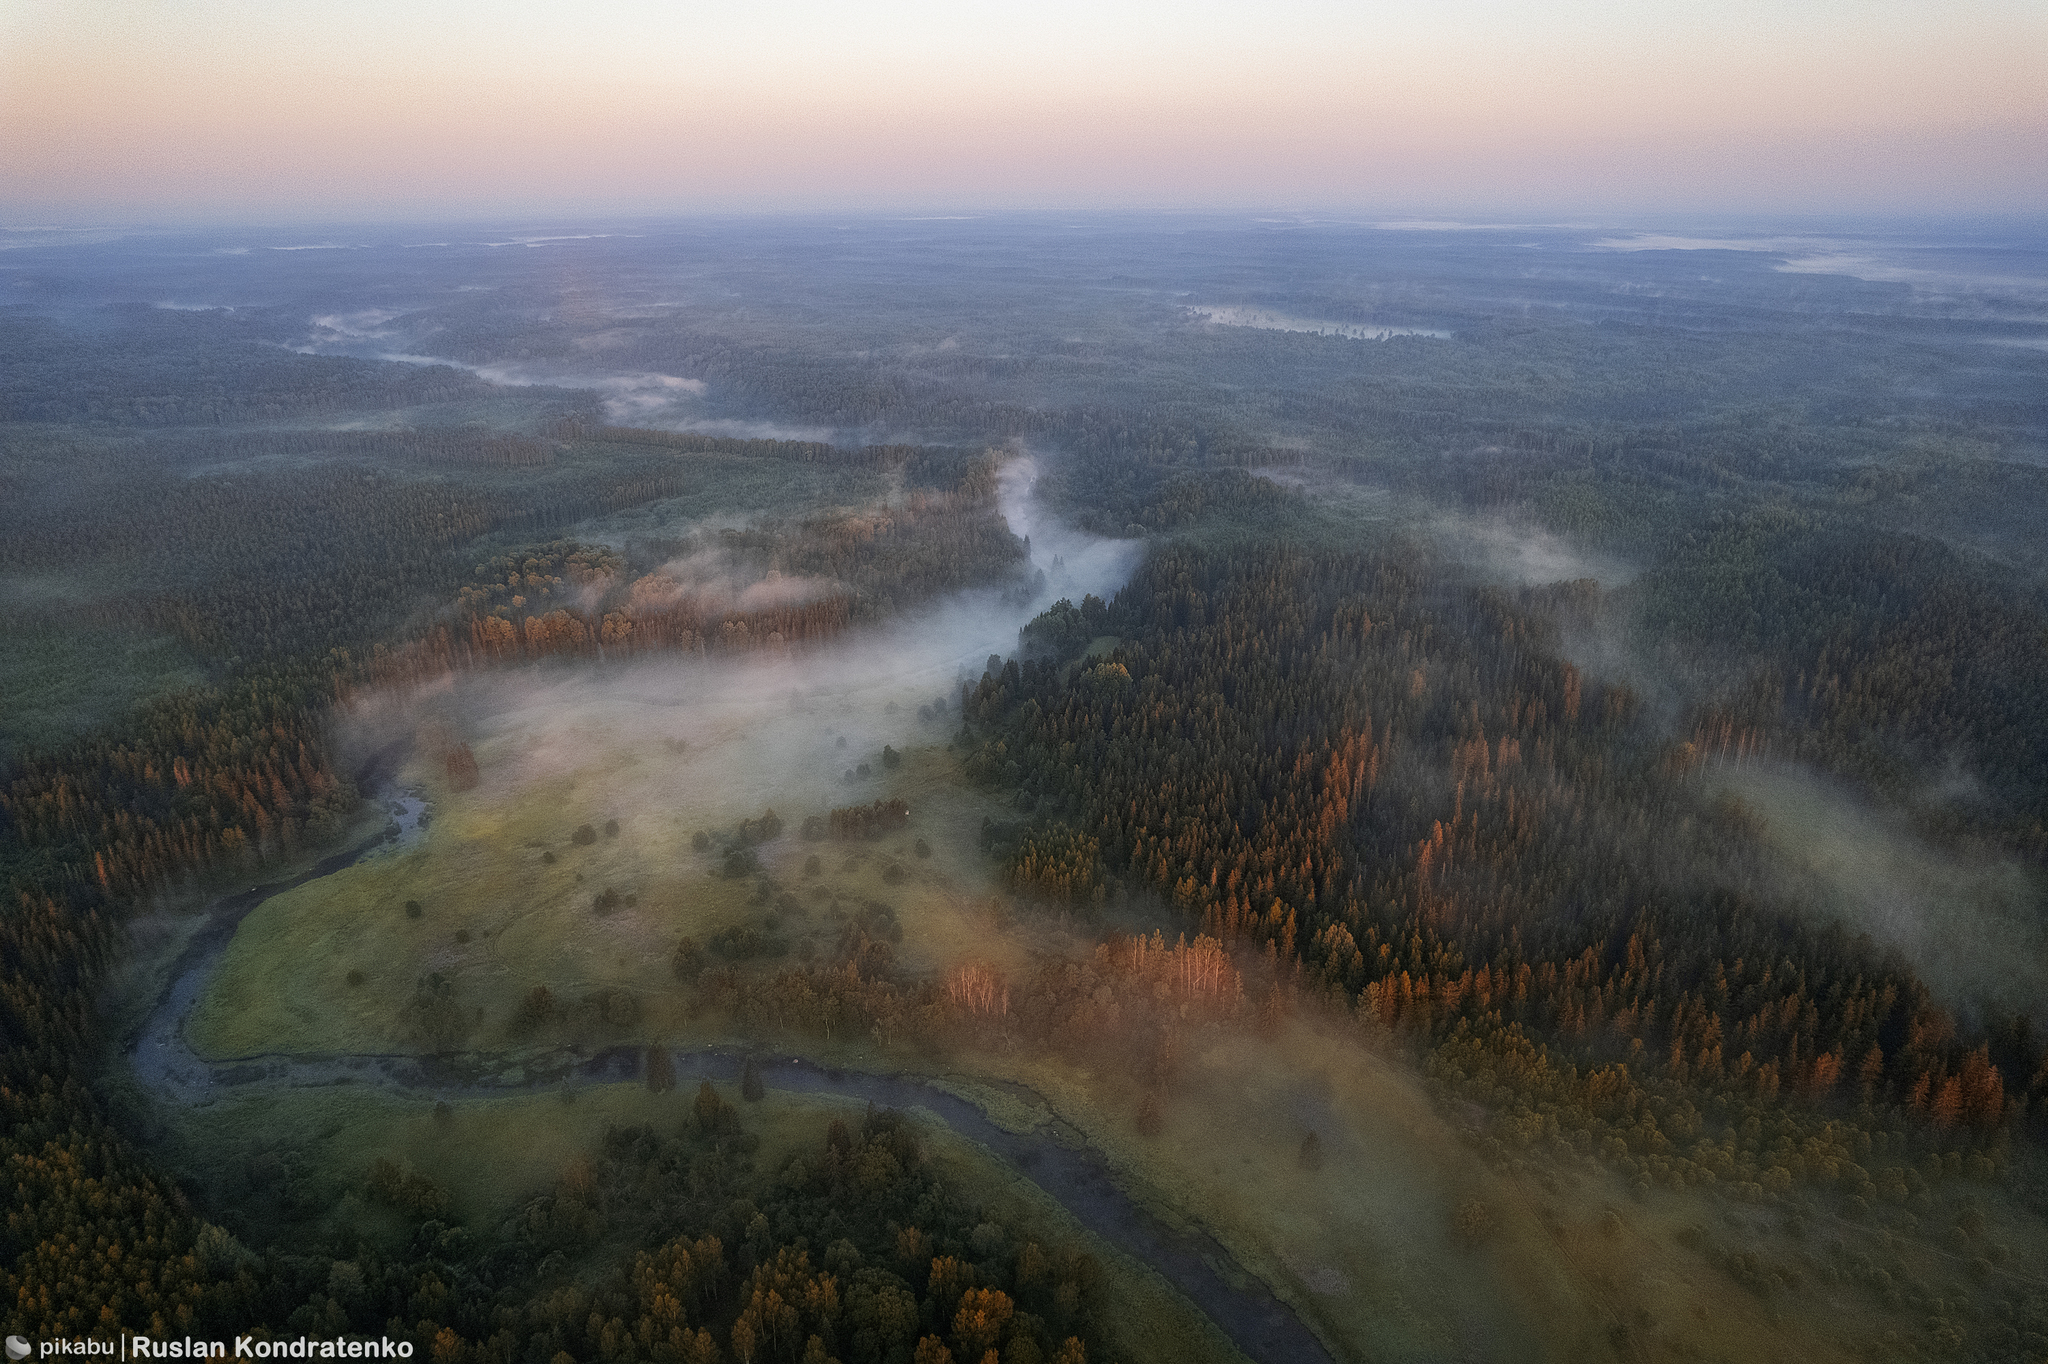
(1054, 1158)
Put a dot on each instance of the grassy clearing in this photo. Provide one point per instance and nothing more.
(1362, 1247)
(508, 902)
(1568, 1264)
(495, 920)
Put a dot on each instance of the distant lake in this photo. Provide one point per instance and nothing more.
(1265, 319)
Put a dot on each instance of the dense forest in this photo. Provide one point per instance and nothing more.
(1406, 785)
(144, 366)
(1342, 764)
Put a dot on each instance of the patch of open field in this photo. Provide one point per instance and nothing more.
(437, 947)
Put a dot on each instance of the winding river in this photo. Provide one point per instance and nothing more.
(1056, 1157)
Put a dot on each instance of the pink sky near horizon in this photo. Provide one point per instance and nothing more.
(150, 109)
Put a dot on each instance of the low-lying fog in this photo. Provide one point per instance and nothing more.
(1498, 548)
(2005, 273)
(1975, 929)
(762, 728)
(1271, 320)
(630, 398)
(1517, 552)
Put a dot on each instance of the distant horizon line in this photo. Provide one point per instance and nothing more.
(1411, 219)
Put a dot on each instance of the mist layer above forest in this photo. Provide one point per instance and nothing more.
(1498, 651)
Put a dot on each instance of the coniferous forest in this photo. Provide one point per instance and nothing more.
(1529, 829)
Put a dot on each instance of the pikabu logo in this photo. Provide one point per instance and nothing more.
(245, 1347)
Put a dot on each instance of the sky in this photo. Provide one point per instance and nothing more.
(190, 110)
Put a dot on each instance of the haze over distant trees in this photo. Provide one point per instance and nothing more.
(1411, 720)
